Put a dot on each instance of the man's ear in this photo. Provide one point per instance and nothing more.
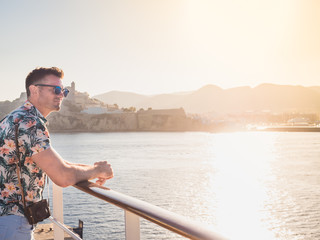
(33, 90)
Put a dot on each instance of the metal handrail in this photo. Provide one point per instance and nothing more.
(169, 220)
(65, 229)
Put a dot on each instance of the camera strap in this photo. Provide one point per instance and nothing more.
(42, 207)
(18, 164)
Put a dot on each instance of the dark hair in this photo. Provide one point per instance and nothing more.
(39, 73)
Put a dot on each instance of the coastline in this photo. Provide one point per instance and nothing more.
(214, 130)
(292, 129)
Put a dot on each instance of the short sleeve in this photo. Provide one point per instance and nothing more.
(35, 135)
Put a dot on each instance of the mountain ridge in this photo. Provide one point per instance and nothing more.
(211, 98)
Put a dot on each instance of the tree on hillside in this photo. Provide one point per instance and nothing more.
(130, 109)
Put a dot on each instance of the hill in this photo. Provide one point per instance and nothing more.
(212, 99)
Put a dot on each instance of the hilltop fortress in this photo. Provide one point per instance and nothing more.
(80, 113)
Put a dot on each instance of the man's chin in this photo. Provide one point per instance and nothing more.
(57, 108)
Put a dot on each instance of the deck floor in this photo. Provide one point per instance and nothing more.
(45, 232)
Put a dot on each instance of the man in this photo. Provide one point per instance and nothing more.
(45, 93)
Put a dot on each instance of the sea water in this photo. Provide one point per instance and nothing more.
(246, 185)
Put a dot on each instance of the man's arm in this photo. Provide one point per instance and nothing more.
(76, 164)
(65, 174)
(100, 180)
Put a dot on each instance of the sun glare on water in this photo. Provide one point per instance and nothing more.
(242, 164)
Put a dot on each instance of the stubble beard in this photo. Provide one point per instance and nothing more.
(57, 106)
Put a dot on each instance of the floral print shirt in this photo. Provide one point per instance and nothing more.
(33, 137)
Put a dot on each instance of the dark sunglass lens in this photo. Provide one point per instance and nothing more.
(66, 92)
(57, 90)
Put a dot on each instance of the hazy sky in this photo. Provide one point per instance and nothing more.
(163, 46)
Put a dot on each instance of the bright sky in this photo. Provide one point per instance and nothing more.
(160, 46)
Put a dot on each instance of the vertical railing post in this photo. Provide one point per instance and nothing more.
(57, 211)
(132, 226)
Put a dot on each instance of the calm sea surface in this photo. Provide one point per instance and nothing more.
(252, 185)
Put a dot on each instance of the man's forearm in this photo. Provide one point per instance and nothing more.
(76, 164)
(80, 172)
(64, 173)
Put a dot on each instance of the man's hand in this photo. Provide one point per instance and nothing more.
(106, 172)
(101, 181)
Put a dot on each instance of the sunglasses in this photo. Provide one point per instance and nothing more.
(57, 89)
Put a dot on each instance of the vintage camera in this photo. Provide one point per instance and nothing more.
(37, 212)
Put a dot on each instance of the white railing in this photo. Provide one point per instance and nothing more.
(134, 209)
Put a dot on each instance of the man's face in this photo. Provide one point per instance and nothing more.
(47, 97)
